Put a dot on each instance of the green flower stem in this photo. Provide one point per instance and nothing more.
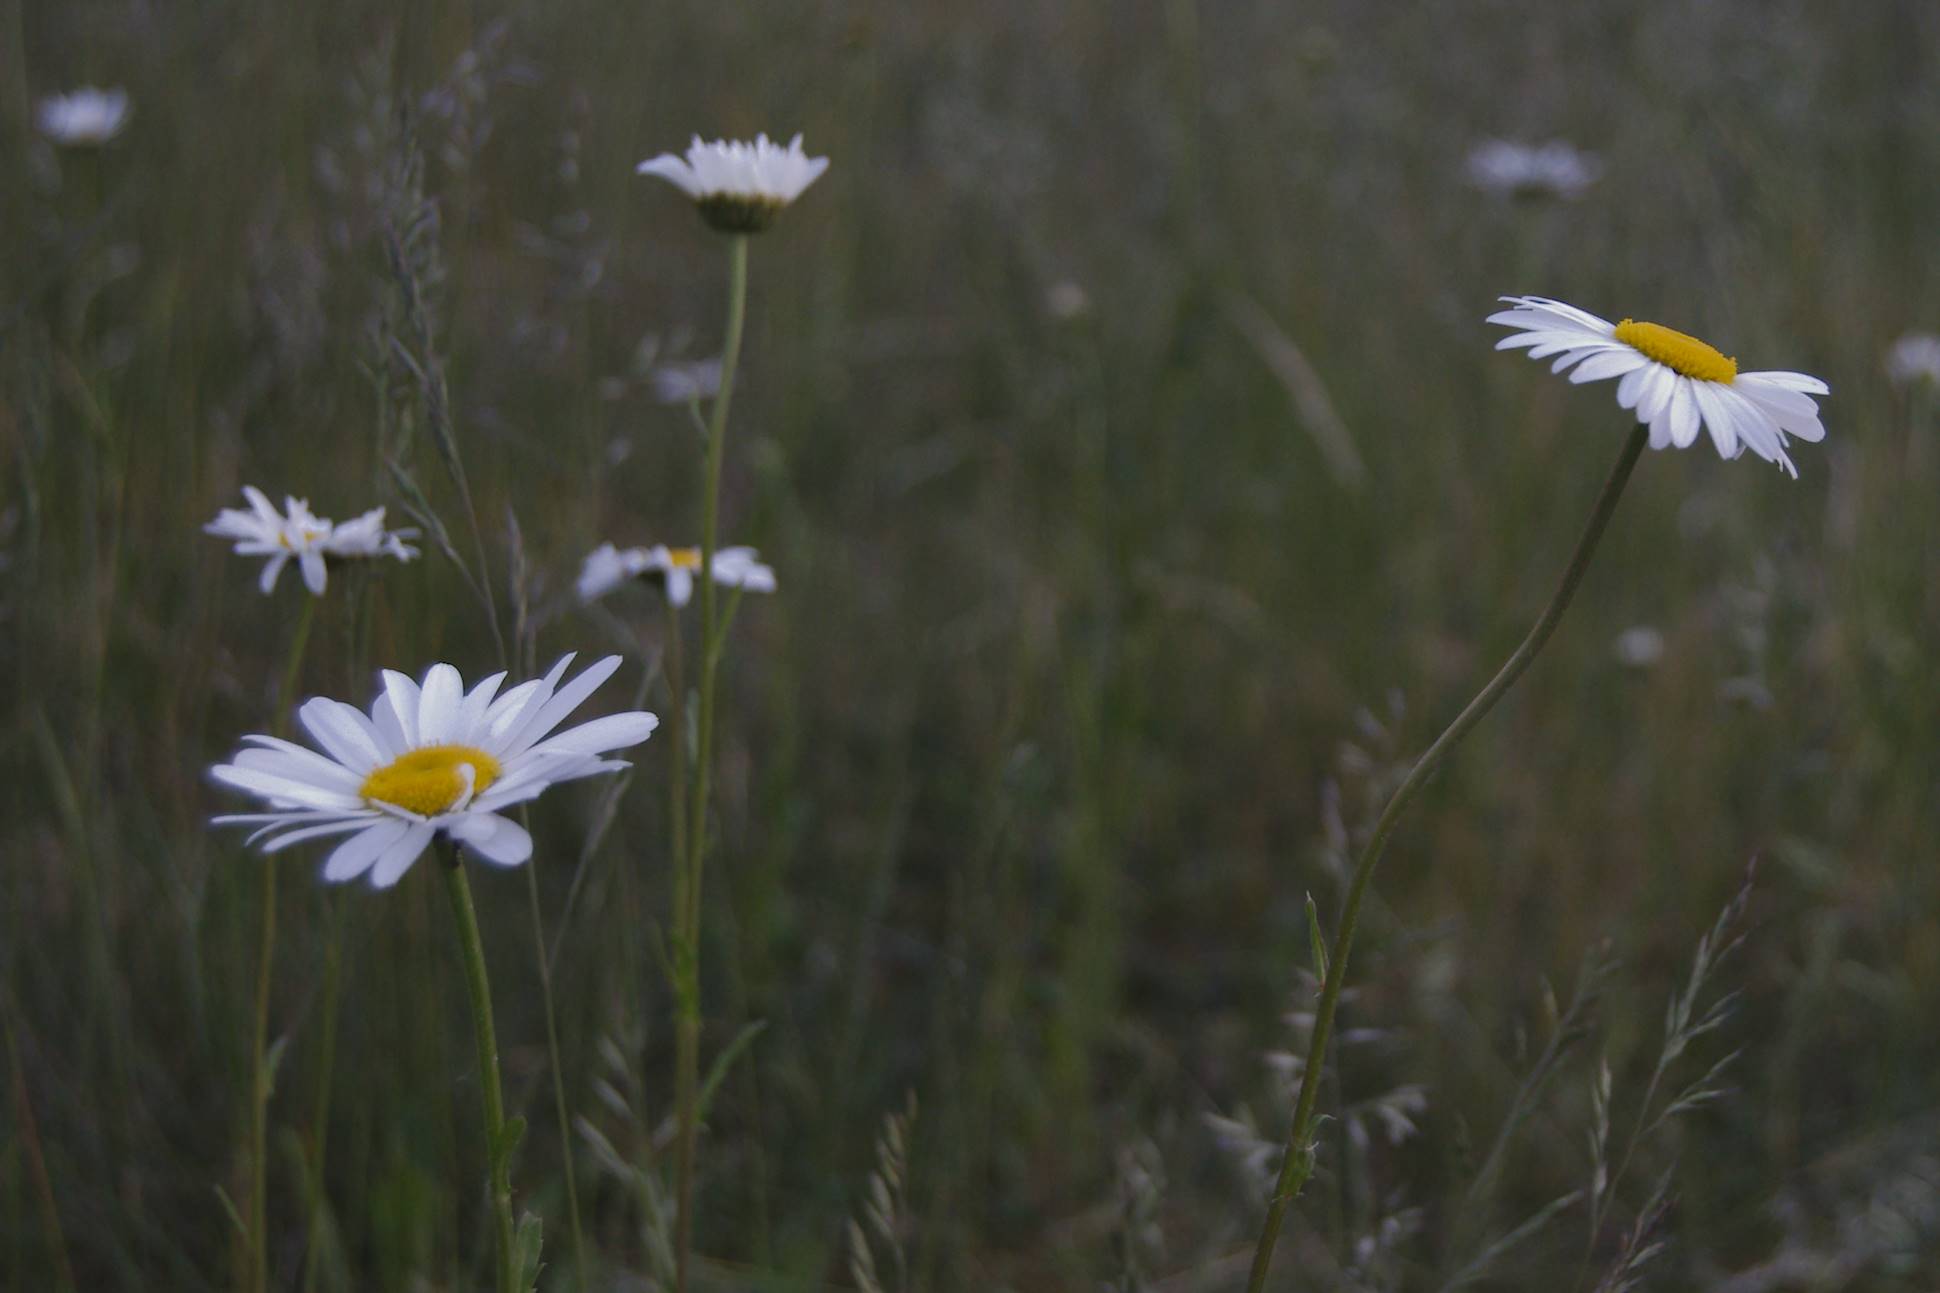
(687, 951)
(1298, 1164)
(472, 948)
(260, 1085)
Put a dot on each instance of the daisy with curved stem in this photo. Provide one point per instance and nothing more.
(433, 762)
(739, 187)
(1676, 383)
(1681, 381)
(673, 570)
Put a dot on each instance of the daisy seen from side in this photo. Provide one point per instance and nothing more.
(739, 187)
(674, 569)
(1675, 383)
(428, 759)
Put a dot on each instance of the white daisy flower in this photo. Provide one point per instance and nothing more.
(311, 540)
(264, 532)
(607, 567)
(1674, 381)
(1914, 358)
(1552, 170)
(83, 118)
(427, 759)
(739, 187)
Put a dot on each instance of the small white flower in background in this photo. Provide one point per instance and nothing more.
(367, 537)
(1552, 170)
(82, 118)
(1914, 358)
(1674, 381)
(685, 381)
(1067, 301)
(265, 532)
(740, 187)
(426, 760)
(299, 534)
(607, 567)
(1639, 646)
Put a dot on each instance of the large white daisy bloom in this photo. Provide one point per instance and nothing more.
(263, 531)
(1674, 381)
(427, 759)
(1555, 169)
(607, 567)
(740, 187)
(83, 118)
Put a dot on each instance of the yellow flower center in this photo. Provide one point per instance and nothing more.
(428, 781)
(1678, 351)
(684, 558)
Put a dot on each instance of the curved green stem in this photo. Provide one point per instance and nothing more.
(1298, 1163)
(472, 949)
(687, 952)
(260, 1079)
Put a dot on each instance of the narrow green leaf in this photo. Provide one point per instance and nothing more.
(723, 1062)
(526, 1246)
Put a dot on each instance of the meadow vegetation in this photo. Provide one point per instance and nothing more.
(1119, 418)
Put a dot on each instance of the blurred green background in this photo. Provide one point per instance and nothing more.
(1119, 416)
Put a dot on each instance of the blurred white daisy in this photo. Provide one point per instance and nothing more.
(1553, 170)
(607, 567)
(296, 533)
(685, 381)
(1675, 382)
(1639, 646)
(426, 760)
(263, 531)
(366, 537)
(1914, 358)
(740, 187)
(83, 118)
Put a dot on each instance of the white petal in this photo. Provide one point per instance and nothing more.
(285, 758)
(563, 702)
(1800, 382)
(493, 838)
(343, 731)
(1717, 419)
(282, 790)
(397, 858)
(506, 719)
(1683, 414)
(438, 701)
(404, 697)
(315, 573)
(614, 732)
(1632, 386)
(1615, 362)
(472, 713)
(271, 570)
(1656, 392)
(357, 854)
(337, 827)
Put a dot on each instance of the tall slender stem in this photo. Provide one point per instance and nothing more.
(1298, 1163)
(472, 949)
(558, 1083)
(260, 1084)
(687, 952)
